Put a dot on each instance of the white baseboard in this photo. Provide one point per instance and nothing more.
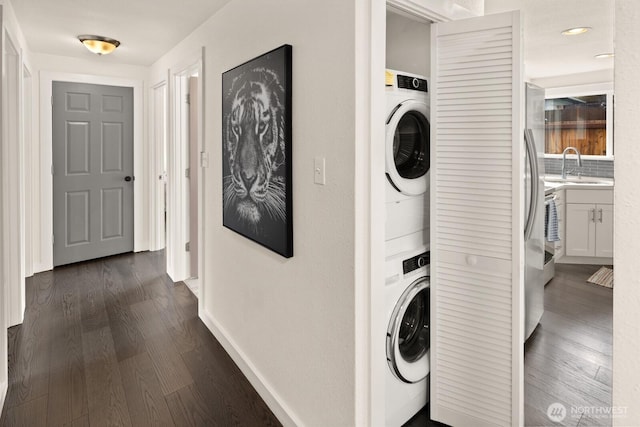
(284, 414)
(39, 268)
(194, 286)
(584, 260)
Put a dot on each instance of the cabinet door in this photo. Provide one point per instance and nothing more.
(604, 230)
(580, 230)
(477, 247)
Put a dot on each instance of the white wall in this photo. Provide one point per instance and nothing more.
(408, 45)
(288, 323)
(626, 294)
(99, 66)
(12, 269)
(474, 6)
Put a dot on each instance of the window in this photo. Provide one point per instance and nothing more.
(580, 120)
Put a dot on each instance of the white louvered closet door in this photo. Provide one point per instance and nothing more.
(477, 247)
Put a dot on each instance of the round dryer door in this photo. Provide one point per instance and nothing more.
(407, 150)
(408, 334)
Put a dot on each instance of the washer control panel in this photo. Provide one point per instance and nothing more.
(418, 261)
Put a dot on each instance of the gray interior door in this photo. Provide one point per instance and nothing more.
(92, 171)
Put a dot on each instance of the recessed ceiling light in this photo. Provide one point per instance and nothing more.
(604, 55)
(575, 31)
(98, 44)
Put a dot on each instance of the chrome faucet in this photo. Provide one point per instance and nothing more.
(564, 160)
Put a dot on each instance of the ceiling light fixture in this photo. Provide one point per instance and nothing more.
(604, 55)
(575, 31)
(98, 44)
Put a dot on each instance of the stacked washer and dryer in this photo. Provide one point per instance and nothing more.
(407, 245)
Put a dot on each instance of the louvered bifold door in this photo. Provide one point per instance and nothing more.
(477, 246)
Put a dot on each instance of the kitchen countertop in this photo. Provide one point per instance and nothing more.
(553, 183)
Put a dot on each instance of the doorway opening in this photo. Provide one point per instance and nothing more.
(183, 246)
(45, 191)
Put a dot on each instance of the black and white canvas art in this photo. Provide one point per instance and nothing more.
(256, 150)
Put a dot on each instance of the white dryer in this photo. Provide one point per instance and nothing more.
(407, 339)
(407, 161)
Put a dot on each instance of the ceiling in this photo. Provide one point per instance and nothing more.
(547, 52)
(147, 29)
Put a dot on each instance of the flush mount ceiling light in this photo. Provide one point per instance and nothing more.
(575, 31)
(98, 44)
(604, 55)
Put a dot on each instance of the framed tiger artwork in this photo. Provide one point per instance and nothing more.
(256, 150)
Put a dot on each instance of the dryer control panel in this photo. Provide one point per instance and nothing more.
(413, 83)
(418, 261)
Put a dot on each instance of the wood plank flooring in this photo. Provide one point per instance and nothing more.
(568, 357)
(115, 342)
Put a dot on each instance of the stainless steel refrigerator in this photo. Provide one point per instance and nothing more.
(534, 208)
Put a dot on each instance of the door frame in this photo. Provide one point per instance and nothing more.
(370, 139)
(370, 203)
(29, 170)
(140, 185)
(158, 140)
(178, 261)
(13, 179)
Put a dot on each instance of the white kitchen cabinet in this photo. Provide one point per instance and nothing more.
(580, 230)
(604, 230)
(589, 223)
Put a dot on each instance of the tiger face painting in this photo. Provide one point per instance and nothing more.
(253, 148)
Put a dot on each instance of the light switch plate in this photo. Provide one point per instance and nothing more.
(319, 170)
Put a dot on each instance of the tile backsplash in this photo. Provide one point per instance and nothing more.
(599, 168)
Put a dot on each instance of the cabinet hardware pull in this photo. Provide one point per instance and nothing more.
(600, 212)
(593, 215)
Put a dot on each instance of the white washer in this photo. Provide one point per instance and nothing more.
(407, 161)
(407, 339)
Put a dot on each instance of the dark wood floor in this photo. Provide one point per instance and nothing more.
(116, 342)
(568, 357)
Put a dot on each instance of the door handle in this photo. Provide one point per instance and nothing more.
(600, 218)
(593, 215)
(128, 178)
(532, 152)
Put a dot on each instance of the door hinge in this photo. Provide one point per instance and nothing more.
(187, 246)
(51, 99)
(188, 98)
(204, 159)
(53, 239)
(187, 173)
(51, 169)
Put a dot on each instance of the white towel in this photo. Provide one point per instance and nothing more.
(551, 222)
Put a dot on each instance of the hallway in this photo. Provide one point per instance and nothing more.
(114, 342)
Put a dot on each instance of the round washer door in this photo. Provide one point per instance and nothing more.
(407, 151)
(408, 334)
